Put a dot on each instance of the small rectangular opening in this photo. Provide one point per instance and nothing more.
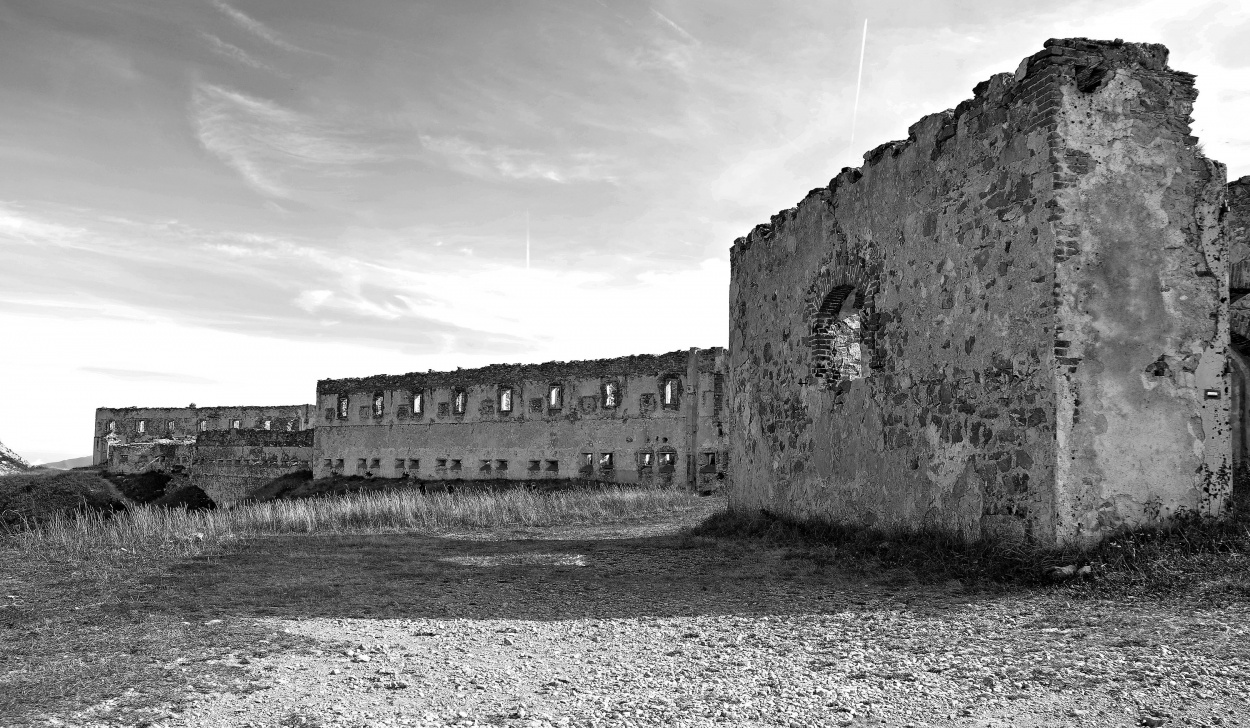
(553, 466)
(440, 462)
(414, 464)
(455, 464)
(338, 464)
(483, 466)
(399, 463)
(1211, 393)
(588, 462)
(605, 461)
(327, 464)
(361, 465)
(646, 460)
(501, 465)
(535, 465)
(375, 463)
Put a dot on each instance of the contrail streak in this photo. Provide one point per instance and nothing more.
(858, 82)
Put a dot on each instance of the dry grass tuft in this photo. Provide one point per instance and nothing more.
(179, 533)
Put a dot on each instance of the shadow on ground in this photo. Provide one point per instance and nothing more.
(406, 576)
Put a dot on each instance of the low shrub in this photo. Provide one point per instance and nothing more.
(40, 496)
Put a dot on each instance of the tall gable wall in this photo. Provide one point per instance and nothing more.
(896, 358)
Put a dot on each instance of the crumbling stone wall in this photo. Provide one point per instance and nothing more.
(124, 425)
(229, 465)
(202, 444)
(613, 411)
(1007, 323)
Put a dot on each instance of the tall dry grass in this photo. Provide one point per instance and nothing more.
(154, 531)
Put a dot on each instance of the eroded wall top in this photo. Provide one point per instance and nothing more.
(495, 374)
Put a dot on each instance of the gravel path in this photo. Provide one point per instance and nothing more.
(642, 626)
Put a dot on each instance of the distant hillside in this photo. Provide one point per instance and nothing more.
(69, 464)
(11, 462)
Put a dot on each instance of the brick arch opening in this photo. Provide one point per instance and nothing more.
(837, 337)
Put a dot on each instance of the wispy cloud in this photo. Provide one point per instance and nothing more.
(267, 144)
(254, 26)
(235, 53)
(510, 163)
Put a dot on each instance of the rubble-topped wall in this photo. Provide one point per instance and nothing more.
(123, 425)
(646, 419)
(1008, 323)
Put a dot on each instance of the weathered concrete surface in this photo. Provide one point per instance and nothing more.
(963, 334)
(608, 407)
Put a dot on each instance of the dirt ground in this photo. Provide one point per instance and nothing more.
(642, 625)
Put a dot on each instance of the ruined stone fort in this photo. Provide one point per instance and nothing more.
(1024, 320)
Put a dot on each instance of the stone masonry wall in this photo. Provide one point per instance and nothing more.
(898, 354)
(122, 425)
(368, 426)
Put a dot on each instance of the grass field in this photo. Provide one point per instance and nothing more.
(86, 614)
(145, 608)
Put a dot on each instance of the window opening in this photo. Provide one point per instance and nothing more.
(455, 464)
(460, 401)
(414, 464)
(501, 465)
(143, 426)
(169, 427)
(483, 466)
(338, 464)
(379, 403)
(605, 461)
(112, 425)
(440, 462)
(418, 404)
(646, 459)
(534, 466)
(837, 335)
(375, 463)
(553, 466)
(611, 393)
(668, 461)
(707, 462)
(291, 425)
(327, 463)
(588, 462)
(672, 391)
(505, 399)
(203, 425)
(267, 424)
(342, 406)
(236, 424)
(555, 397)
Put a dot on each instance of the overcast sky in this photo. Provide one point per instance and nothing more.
(221, 201)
